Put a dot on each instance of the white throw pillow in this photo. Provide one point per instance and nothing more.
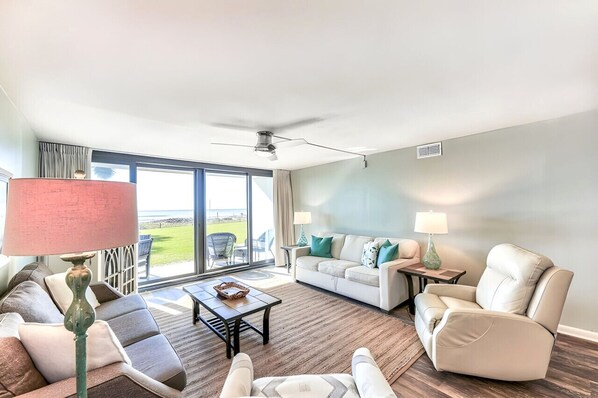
(52, 348)
(62, 294)
(370, 254)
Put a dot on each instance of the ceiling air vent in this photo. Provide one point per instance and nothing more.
(429, 150)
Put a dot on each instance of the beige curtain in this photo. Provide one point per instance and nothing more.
(61, 161)
(284, 230)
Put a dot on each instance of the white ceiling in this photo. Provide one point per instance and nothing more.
(153, 77)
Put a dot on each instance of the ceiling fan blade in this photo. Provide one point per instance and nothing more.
(298, 123)
(227, 144)
(272, 157)
(234, 126)
(289, 143)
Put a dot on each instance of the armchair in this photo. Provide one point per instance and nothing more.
(504, 328)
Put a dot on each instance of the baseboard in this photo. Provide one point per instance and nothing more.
(579, 333)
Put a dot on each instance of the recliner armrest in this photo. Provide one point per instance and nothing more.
(369, 380)
(462, 292)
(104, 292)
(115, 381)
(239, 381)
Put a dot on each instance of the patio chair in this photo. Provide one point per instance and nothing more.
(143, 253)
(221, 246)
(264, 243)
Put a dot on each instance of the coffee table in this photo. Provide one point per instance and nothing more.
(227, 315)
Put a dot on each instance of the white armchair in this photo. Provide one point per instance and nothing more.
(506, 327)
(367, 381)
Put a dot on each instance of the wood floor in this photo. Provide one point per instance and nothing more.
(573, 372)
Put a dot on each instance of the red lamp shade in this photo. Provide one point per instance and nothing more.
(54, 216)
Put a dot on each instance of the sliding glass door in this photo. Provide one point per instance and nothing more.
(165, 202)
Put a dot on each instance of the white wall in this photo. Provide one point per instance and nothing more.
(534, 185)
(18, 154)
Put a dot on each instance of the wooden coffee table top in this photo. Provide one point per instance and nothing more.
(229, 310)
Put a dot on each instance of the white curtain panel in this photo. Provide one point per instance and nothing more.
(61, 161)
(284, 230)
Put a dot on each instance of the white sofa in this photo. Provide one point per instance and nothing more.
(383, 287)
(367, 381)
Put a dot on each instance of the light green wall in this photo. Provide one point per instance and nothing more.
(534, 185)
(18, 155)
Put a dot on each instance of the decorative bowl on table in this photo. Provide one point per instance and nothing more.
(231, 290)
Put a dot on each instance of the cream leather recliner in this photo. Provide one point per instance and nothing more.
(504, 328)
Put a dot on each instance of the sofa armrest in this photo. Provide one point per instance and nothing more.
(298, 252)
(115, 380)
(393, 286)
(462, 292)
(239, 381)
(492, 344)
(369, 380)
(104, 292)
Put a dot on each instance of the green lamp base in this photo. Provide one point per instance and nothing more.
(302, 241)
(431, 259)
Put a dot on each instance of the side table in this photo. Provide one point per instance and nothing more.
(287, 256)
(424, 274)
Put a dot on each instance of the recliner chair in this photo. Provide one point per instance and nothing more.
(504, 328)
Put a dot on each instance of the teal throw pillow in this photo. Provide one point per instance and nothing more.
(320, 247)
(388, 252)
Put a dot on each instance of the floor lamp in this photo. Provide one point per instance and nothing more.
(53, 216)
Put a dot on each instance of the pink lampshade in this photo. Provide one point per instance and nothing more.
(53, 216)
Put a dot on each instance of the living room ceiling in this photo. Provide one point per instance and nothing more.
(161, 77)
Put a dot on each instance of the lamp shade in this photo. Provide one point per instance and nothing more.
(431, 223)
(55, 216)
(302, 217)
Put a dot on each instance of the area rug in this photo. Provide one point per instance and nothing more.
(310, 332)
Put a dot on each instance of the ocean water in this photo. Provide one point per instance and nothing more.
(154, 215)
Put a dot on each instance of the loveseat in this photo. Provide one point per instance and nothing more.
(343, 273)
(367, 381)
(155, 369)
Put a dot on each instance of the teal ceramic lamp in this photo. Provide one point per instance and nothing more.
(301, 218)
(431, 223)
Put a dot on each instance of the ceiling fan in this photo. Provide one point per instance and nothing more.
(266, 148)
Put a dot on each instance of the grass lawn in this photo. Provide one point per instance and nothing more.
(175, 244)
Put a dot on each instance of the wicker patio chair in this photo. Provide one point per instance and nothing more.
(221, 246)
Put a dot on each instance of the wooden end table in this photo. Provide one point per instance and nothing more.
(227, 321)
(424, 274)
(287, 255)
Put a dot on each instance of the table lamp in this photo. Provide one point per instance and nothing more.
(73, 218)
(302, 217)
(431, 223)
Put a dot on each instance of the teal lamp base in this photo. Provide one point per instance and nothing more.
(431, 259)
(302, 241)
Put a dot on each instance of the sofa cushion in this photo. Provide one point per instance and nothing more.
(18, 375)
(353, 247)
(321, 246)
(9, 325)
(388, 252)
(32, 303)
(120, 306)
(52, 348)
(326, 385)
(336, 267)
(510, 278)
(309, 262)
(156, 358)
(365, 275)
(134, 326)
(408, 248)
(369, 257)
(35, 272)
(430, 308)
(62, 294)
(338, 240)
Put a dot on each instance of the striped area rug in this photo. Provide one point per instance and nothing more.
(310, 332)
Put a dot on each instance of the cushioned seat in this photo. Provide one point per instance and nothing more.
(310, 262)
(120, 306)
(134, 326)
(330, 385)
(365, 275)
(156, 358)
(336, 267)
(432, 307)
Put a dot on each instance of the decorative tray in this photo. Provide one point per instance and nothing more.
(231, 290)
